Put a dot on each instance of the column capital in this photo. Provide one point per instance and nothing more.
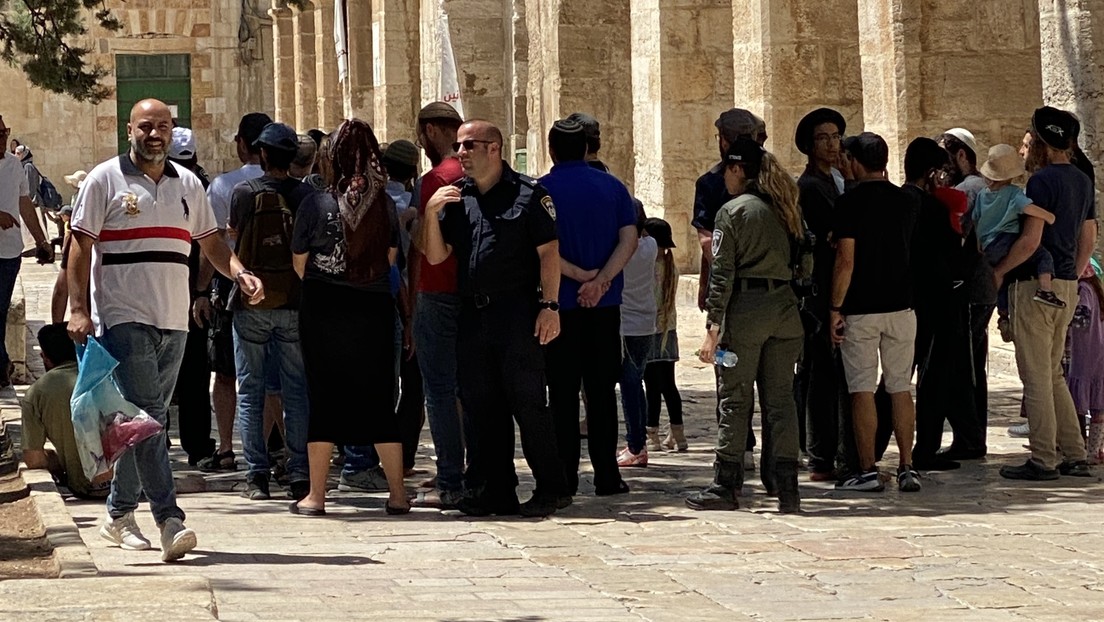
(277, 12)
(301, 6)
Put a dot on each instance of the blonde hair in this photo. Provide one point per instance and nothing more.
(779, 185)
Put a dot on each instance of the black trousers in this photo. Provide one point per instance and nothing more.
(660, 387)
(588, 351)
(193, 396)
(972, 436)
(945, 383)
(411, 408)
(501, 377)
(830, 437)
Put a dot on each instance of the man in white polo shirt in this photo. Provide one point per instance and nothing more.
(133, 224)
(15, 201)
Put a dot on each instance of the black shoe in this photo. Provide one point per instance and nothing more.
(1075, 469)
(543, 505)
(715, 497)
(218, 462)
(257, 489)
(298, 490)
(483, 506)
(1030, 470)
(958, 453)
(938, 462)
(619, 489)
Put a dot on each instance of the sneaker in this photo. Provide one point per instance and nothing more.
(908, 480)
(1030, 470)
(257, 489)
(1022, 430)
(863, 482)
(124, 532)
(372, 480)
(749, 461)
(176, 540)
(1075, 469)
(628, 459)
(1005, 329)
(1049, 298)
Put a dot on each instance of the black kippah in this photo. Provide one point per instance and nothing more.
(567, 126)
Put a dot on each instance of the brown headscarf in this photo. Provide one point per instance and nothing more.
(358, 185)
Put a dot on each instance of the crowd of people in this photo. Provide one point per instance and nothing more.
(342, 301)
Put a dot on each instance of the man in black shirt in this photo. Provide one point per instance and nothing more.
(502, 227)
(871, 307)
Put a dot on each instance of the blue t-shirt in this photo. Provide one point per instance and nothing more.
(1066, 192)
(998, 212)
(591, 208)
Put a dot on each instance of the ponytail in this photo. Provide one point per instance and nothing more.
(776, 183)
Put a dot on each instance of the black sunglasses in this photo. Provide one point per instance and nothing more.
(469, 144)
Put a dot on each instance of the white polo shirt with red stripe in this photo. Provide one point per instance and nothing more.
(143, 232)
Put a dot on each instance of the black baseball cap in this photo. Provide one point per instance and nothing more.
(251, 125)
(660, 230)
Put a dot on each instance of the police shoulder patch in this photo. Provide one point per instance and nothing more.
(718, 235)
(546, 203)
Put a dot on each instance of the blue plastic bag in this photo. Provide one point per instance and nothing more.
(104, 423)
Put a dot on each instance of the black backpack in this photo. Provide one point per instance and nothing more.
(264, 247)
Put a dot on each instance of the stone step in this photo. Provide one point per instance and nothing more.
(165, 599)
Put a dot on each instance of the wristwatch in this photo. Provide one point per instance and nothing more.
(551, 305)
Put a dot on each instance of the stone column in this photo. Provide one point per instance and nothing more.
(327, 87)
(306, 91)
(791, 56)
(921, 76)
(358, 98)
(517, 120)
(395, 28)
(1073, 67)
(582, 63)
(283, 61)
(682, 77)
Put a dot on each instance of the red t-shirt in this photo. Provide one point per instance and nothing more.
(442, 277)
(956, 203)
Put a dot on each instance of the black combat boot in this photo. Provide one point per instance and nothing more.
(785, 475)
(728, 479)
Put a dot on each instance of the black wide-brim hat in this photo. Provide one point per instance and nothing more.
(803, 137)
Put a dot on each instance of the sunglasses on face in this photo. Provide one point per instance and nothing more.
(469, 144)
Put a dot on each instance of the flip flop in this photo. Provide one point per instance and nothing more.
(395, 511)
(295, 508)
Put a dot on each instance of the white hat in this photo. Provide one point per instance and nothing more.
(1004, 163)
(76, 179)
(965, 136)
(183, 145)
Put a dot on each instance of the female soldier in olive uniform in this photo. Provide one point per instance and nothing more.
(752, 310)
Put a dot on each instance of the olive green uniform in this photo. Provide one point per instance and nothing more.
(751, 300)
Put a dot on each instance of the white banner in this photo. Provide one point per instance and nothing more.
(449, 88)
(341, 41)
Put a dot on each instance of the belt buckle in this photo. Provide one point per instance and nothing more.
(482, 300)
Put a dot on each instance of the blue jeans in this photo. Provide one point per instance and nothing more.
(435, 332)
(9, 272)
(149, 361)
(633, 399)
(258, 335)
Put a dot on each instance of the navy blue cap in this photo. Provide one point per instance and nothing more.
(278, 136)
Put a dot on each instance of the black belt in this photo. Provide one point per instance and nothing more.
(760, 284)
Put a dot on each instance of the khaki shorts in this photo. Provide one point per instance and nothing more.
(890, 337)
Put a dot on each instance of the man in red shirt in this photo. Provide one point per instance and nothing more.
(435, 310)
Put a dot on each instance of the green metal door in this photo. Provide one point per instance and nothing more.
(166, 77)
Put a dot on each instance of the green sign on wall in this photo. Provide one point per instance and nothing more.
(167, 77)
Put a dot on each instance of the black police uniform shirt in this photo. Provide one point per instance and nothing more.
(710, 194)
(495, 236)
(881, 218)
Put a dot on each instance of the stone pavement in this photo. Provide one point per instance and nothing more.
(970, 546)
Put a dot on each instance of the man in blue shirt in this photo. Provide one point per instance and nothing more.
(596, 223)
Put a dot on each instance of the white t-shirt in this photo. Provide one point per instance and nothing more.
(13, 184)
(143, 232)
(638, 301)
(218, 194)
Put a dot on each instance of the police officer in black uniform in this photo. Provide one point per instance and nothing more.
(502, 227)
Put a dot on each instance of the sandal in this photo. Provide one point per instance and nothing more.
(218, 462)
(395, 511)
(301, 510)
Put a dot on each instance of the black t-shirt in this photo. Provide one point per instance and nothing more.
(936, 250)
(1066, 192)
(881, 218)
(320, 232)
(710, 194)
(495, 236)
(818, 196)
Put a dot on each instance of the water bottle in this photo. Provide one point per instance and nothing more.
(725, 357)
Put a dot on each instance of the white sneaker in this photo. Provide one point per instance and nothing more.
(1022, 430)
(176, 540)
(124, 532)
(749, 461)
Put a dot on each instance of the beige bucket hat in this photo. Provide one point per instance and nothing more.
(1004, 163)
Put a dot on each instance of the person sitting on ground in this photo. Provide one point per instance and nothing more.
(46, 417)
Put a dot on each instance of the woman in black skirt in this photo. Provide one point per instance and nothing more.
(346, 238)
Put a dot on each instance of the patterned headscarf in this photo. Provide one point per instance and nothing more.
(358, 176)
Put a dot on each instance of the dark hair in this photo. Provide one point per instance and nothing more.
(567, 146)
(398, 171)
(445, 122)
(278, 159)
(923, 155)
(952, 144)
(56, 344)
(1081, 161)
(316, 135)
(870, 150)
